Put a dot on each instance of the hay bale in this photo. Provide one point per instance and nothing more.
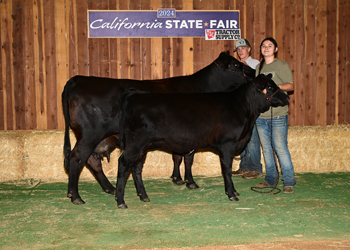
(39, 155)
(320, 148)
(160, 164)
(207, 163)
(12, 158)
(44, 157)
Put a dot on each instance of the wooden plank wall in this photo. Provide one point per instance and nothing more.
(44, 43)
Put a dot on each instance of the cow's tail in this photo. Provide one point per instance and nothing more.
(65, 104)
(122, 113)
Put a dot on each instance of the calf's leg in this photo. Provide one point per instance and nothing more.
(95, 166)
(137, 174)
(123, 173)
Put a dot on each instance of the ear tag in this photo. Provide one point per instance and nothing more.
(265, 91)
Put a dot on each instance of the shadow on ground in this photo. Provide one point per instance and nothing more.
(37, 215)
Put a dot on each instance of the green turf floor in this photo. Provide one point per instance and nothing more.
(36, 215)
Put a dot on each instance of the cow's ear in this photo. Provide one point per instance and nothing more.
(269, 76)
(222, 54)
(228, 52)
(260, 82)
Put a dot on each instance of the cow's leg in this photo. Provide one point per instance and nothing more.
(226, 158)
(137, 174)
(176, 176)
(123, 173)
(188, 159)
(95, 166)
(76, 161)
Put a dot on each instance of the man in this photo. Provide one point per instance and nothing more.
(250, 166)
(243, 50)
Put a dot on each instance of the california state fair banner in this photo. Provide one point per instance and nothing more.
(213, 25)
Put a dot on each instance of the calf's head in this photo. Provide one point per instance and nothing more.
(273, 93)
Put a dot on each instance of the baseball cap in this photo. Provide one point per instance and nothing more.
(241, 43)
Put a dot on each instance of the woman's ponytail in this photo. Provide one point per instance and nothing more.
(261, 64)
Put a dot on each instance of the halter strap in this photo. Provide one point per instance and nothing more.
(269, 97)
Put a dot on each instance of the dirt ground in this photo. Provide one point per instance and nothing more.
(301, 245)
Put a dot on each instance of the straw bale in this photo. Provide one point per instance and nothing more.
(44, 154)
(12, 158)
(39, 155)
(208, 163)
(320, 148)
(160, 164)
(157, 164)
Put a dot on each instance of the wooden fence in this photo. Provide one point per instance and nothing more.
(45, 42)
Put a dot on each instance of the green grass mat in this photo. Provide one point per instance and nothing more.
(37, 215)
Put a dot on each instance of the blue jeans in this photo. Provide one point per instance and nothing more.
(252, 154)
(280, 144)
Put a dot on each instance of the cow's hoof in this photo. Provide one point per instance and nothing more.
(178, 182)
(110, 191)
(233, 199)
(145, 199)
(236, 193)
(123, 206)
(78, 201)
(192, 186)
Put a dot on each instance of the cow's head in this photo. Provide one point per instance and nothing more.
(273, 94)
(228, 62)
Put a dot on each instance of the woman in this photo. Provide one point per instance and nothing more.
(282, 76)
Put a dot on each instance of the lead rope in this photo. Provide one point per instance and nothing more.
(278, 175)
(241, 157)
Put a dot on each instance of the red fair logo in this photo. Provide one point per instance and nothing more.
(210, 34)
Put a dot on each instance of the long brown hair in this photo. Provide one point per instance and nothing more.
(263, 60)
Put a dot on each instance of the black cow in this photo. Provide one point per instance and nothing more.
(91, 107)
(184, 122)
